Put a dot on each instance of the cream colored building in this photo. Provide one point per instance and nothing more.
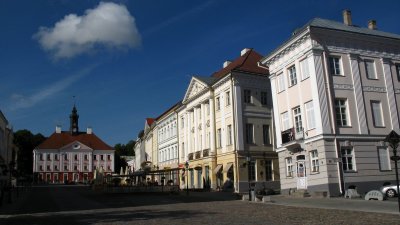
(6, 148)
(336, 94)
(223, 119)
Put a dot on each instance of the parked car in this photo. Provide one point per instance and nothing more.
(388, 189)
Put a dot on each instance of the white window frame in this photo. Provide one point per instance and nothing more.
(227, 98)
(289, 166)
(343, 112)
(285, 121)
(229, 134)
(219, 138)
(305, 68)
(335, 65)
(314, 161)
(292, 75)
(281, 82)
(346, 156)
(370, 69)
(298, 122)
(377, 113)
(309, 106)
(218, 103)
(384, 159)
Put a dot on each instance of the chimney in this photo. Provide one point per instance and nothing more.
(244, 51)
(347, 17)
(372, 24)
(226, 63)
(89, 130)
(58, 129)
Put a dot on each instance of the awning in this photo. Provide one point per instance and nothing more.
(228, 166)
(218, 168)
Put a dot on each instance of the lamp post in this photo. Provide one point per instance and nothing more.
(248, 158)
(187, 177)
(393, 139)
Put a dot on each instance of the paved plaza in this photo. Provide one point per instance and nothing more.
(80, 205)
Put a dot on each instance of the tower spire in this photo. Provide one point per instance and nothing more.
(74, 117)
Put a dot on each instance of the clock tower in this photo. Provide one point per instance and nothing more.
(74, 129)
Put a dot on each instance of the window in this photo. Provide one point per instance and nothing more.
(75, 167)
(384, 160)
(266, 137)
(219, 144)
(314, 161)
(249, 133)
(65, 156)
(289, 167)
(229, 134)
(268, 170)
(348, 159)
(310, 115)
(297, 119)
(292, 75)
(281, 83)
(341, 112)
(101, 157)
(41, 168)
(252, 171)
(334, 64)
(94, 157)
(75, 157)
(285, 121)
(48, 168)
(48, 156)
(55, 168)
(228, 98)
(264, 98)
(370, 69)
(86, 157)
(65, 168)
(305, 71)
(56, 157)
(218, 103)
(376, 107)
(85, 168)
(247, 96)
(108, 157)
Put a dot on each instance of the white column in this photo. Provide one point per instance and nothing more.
(393, 110)
(358, 94)
(212, 125)
(223, 122)
(276, 116)
(203, 125)
(237, 96)
(196, 130)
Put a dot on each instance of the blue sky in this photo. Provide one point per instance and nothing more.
(140, 63)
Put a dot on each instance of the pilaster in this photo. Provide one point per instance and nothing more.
(393, 109)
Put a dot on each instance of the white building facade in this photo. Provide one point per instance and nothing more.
(336, 94)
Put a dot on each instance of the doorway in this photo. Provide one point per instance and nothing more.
(301, 172)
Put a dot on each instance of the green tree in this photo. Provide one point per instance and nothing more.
(123, 150)
(26, 142)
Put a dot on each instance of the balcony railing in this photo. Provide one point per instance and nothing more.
(291, 135)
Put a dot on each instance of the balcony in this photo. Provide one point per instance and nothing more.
(198, 154)
(292, 140)
(206, 152)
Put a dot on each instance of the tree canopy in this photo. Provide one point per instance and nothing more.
(123, 150)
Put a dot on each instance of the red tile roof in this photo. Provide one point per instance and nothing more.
(58, 140)
(247, 63)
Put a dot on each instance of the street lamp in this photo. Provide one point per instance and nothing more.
(393, 139)
(248, 158)
(187, 177)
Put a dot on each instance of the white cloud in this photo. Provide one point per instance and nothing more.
(108, 25)
(20, 101)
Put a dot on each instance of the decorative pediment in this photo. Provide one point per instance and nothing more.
(76, 145)
(196, 86)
